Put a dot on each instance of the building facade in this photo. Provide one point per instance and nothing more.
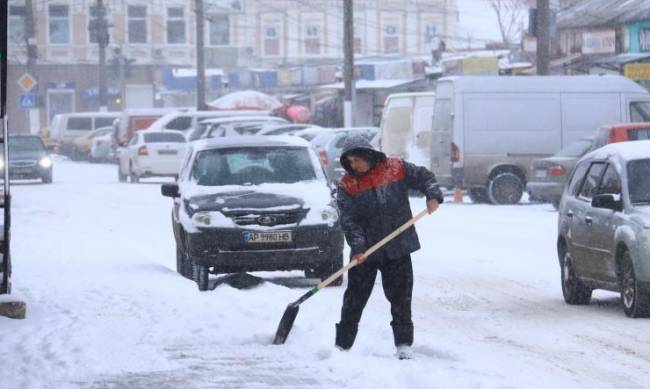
(151, 40)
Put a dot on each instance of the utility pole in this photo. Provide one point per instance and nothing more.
(98, 28)
(348, 62)
(543, 37)
(200, 59)
(33, 114)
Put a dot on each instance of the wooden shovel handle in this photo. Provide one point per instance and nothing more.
(374, 248)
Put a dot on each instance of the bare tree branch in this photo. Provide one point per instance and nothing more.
(509, 13)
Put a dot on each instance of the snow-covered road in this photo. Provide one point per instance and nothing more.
(94, 260)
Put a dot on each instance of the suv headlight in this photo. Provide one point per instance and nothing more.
(201, 219)
(329, 214)
(45, 162)
(211, 219)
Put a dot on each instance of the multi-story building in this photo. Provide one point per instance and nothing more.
(150, 40)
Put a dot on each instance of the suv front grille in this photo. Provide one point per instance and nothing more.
(267, 219)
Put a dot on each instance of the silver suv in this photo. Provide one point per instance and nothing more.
(604, 227)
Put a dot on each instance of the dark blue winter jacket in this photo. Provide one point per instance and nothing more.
(376, 203)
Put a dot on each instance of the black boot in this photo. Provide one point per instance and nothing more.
(345, 335)
(403, 334)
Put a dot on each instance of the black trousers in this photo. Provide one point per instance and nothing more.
(397, 280)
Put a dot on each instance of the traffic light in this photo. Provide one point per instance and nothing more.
(98, 26)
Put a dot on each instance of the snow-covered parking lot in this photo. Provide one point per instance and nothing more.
(94, 260)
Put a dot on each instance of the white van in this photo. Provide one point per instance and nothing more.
(406, 124)
(494, 127)
(68, 126)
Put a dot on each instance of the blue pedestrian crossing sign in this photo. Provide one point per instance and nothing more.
(27, 101)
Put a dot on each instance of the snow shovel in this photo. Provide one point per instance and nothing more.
(291, 312)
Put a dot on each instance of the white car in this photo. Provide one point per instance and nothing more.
(151, 154)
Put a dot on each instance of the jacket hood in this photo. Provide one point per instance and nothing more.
(359, 143)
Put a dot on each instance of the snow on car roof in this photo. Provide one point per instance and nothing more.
(238, 118)
(252, 140)
(625, 151)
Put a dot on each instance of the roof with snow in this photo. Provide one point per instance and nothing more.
(625, 151)
(603, 13)
(250, 141)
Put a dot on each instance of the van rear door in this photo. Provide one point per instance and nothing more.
(441, 138)
(396, 134)
(422, 124)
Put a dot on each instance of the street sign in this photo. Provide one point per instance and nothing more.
(27, 82)
(27, 101)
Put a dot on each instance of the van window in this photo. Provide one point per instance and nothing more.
(80, 124)
(103, 122)
(590, 184)
(161, 137)
(180, 123)
(578, 175)
(639, 134)
(640, 111)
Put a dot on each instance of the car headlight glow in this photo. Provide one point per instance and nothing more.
(45, 162)
(2, 164)
(330, 214)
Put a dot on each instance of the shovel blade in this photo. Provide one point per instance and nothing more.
(286, 323)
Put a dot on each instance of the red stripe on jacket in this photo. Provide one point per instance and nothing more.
(386, 172)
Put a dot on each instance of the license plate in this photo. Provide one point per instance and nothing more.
(167, 152)
(540, 173)
(21, 170)
(267, 237)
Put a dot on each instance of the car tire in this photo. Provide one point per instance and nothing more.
(47, 179)
(478, 195)
(133, 178)
(200, 274)
(505, 189)
(183, 264)
(636, 301)
(120, 176)
(573, 289)
(330, 268)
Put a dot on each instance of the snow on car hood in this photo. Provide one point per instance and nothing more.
(311, 197)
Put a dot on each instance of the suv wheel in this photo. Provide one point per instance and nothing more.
(478, 195)
(183, 264)
(636, 301)
(200, 275)
(330, 268)
(575, 292)
(505, 188)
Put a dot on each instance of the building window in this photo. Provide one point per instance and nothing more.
(391, 39)
(430, 32)
(271, 41)
(17, 23)
(137, 24)
(219, 30)
(93, 15)
(312, 40)
(644, 40)
(59, 24)
(176, 25)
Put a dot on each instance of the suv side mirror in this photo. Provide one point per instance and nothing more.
(170, 190)
(607, 201)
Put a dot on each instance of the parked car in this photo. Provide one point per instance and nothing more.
(310, 133)
(101, 149)
(64, 128)
(552, 173)
(28, 159)
(488, 130)
(209, 128)
(187, 120)
(329, 146)
(135, 119)
(81, 145)
(151, 154)
(604, 227)
(254, 203)
(284, 129)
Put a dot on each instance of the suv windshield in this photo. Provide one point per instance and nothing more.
(253, 166)
(25, 143)
(575, 149)
(638, 173)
